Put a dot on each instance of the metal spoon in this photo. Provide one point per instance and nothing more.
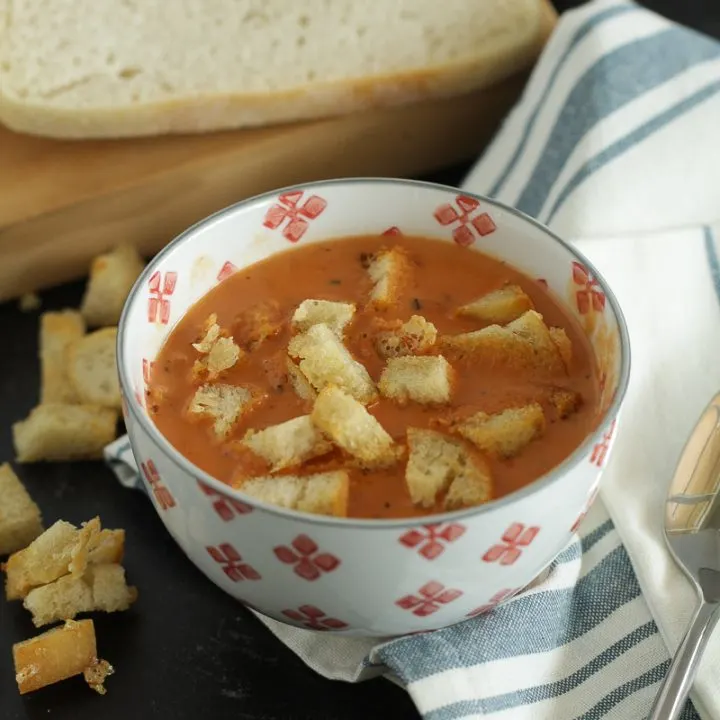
(692, 525)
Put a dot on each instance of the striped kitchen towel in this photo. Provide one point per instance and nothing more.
(616, 145)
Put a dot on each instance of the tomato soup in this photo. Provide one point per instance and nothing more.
(254, 308)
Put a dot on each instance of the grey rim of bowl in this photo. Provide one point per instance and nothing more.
(578, 455)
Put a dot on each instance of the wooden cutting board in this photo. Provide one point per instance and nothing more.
(63, 202)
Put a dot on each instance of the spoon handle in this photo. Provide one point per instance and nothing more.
(678, 681)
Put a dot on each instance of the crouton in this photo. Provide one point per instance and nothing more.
(225, 404)
(64, 432)
(211, 331)
(523, 344)
(440, 464)
(57, 331)
(92, 368)
(101, 588)
(336, 315)
(320, 494)
(498, 307)
(326, 361)
(350, 426)
(303, 389)
(414, 337)
(56, 655)
(29, 302)
(563, 344)
(506, 433)
(96, 674)
(255, 324)
(112, 276)
(389, 271)
(61, 550)
(289, 443)
(107, 547)
(565, 402)
(20, 519)
(222, 356)
(422, 379)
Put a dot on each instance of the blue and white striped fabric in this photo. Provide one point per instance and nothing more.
(616, 145)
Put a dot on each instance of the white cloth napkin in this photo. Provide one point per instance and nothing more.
(616, 145)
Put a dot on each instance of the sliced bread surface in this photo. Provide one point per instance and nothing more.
(120, 69)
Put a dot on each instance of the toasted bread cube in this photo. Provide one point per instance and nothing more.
(57, 331)
(112, 276)
(506, 433)
(97, 673)
(107, 547)
(284, 490)
(414, 337)
(321, 494)
(64, 432)
(20, 518)
(498, 307)
(426, 380)
(289, 443)
(92, 368)
(350, 426)
(62, 599)
(29, 302)
(565, 402)
(563, 344)
(303, 389)
(101, 588)
(62, 549)
(326, 361)
(390, 272)
(336, 315)
(257, 323)
(523, 344)
(326, 494)
(222, 356)
(438, 464)
(212, 333)
(225, 404)
(56, 655)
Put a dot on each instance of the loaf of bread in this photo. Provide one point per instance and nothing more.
(120, 69)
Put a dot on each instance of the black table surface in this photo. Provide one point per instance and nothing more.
(185, 650)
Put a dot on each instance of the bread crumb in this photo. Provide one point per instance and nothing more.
(29, 302)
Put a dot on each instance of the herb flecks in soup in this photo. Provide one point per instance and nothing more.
(365, 379)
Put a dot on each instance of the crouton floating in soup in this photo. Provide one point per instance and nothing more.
(369, 377)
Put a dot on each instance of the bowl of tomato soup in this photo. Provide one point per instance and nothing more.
(371, 407)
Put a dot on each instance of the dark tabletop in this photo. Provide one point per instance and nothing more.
(185, 650)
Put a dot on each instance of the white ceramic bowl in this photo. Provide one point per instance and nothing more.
(365, 577)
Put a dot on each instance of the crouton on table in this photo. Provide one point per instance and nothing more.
(56, 655)
(100, 588)
(112, 276)
(92, 368)
(20, 518)
(64, 432)
(57, 331)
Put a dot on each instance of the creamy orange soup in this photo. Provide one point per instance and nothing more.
(442, 277)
